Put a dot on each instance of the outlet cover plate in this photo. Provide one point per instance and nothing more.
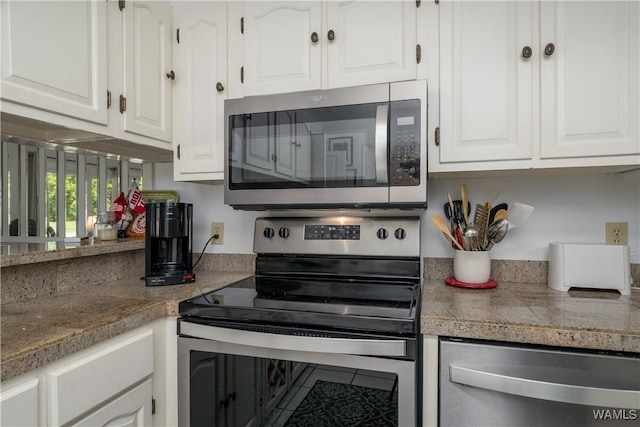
(616, 233)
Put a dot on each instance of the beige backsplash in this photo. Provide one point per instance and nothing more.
(507, 270)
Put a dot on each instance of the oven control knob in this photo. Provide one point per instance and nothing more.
(382, 233)
(283, 232)
(400, 233)
(269, 232)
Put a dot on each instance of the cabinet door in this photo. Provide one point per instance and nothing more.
(279, 53)
(132, 409)
(487, 87)
(19, 404)
(147, 61)
(200, 62)
(372, 42)
(590, 84)
(54, 57)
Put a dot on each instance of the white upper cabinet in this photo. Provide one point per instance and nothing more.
(370, 42)
(533, 85)
(282, 47)
(486, 84)
(147, 69)
(54, 57)
(200, 88)
(292, 46)
(590, 78)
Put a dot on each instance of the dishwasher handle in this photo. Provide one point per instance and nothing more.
(566, 393)
(363, 347)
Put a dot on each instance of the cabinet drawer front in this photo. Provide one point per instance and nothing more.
(19, 405)
(85, 383)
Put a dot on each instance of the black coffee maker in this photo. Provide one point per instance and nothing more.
(168, 244)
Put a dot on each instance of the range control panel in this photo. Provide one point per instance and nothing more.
(332, 232)
(370, 236)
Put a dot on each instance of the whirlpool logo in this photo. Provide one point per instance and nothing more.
(615, 414)
(318, 98)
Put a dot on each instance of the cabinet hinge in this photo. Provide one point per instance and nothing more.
(178, 152)
(242, 25)
(418, 53)
(178, 35)
(123, 104)
(418, 3)
(436, 136)
(121, 4)
(242, 74)
(108, 99)
(153, 405)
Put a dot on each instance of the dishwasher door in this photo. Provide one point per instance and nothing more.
(489, 384)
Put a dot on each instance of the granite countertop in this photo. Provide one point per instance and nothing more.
(40, 330)
(12, 254)
(533, 313)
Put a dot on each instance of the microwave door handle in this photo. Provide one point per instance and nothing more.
(566, 393)
(381, 143)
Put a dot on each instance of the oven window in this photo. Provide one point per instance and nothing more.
(232, 390)
(331, 147)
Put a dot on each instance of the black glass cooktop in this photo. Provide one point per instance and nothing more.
(372, 306)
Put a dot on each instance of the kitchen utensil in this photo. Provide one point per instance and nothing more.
(495, 233)
(457, 211)
(491, 198)
(518, 214)
(471, 238)
(481, 220)
(450, 202)
(496, 208)
(465, 199)
(438, 221)
(500, 214)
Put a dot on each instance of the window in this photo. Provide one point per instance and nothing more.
(49, 193)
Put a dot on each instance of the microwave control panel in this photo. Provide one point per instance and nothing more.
(404, 143)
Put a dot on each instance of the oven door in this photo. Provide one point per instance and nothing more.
(236, 377)
(335, 148)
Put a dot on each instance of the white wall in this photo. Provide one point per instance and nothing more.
(568, 208)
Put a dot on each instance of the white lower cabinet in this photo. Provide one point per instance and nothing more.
(112, 383)
(132, 409)
(89, 381)
(19, 403)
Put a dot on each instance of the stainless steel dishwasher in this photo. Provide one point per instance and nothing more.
(493, 384)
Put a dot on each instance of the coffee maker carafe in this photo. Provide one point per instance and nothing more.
(168, 244)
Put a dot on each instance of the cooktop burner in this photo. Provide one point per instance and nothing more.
(370, 283)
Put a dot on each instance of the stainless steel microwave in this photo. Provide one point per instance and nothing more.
(356, 147)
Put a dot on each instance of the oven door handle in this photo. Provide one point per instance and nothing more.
(566, 393)
(380, 142)
(363, 347)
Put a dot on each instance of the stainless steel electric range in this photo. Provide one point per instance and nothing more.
(334, 302)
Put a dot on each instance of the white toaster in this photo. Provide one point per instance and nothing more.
(582, 265)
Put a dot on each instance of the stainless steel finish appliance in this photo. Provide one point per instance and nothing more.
(487, 384)
(339, 148)
(335, 297)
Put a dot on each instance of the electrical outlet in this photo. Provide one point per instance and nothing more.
(217, 229)
(616, 233)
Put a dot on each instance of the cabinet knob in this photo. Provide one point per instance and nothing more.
(314, 37)
(219, 87)
(527, 52)
(331, 35)
(171, 75)
(549, 49)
